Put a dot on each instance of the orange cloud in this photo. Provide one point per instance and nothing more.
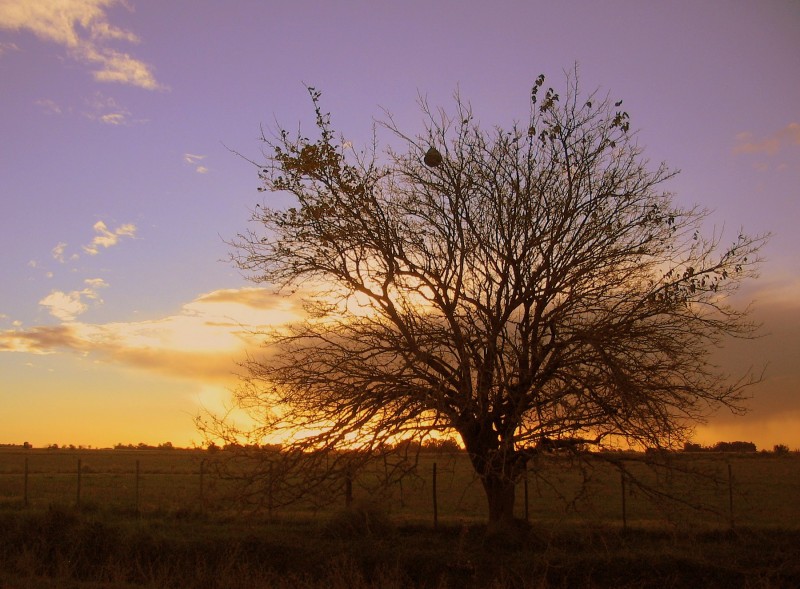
(202, 343)
(256, 298)
(771, 145)
(40, 340)
(774, 405)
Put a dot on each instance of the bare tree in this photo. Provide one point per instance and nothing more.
(523, 288)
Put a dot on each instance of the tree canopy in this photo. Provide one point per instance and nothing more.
(521, 288)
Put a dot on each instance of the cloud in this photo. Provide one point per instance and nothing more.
(106, 238)
(784, 138)
(202, 342)
(82, 27)
(107, 111)
(64, 306)
(255, 298)
(49, 106)
(7, 47)
(58, 251)
(40, 340)
(68, 305)
(193, 160)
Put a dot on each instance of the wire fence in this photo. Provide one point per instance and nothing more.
(718, 491)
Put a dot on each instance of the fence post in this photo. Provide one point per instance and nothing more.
(202, 474)
(78, 497)
(730, 494)
(527, 512)
(348, 488)
(624, 506)
(25, 485)
(269, 492)
(136, 487)
(435, 501)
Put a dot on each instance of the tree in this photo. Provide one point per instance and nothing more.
(523, 288)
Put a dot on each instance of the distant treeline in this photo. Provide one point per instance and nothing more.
(743, 447)
(437, 445)
(139, 446)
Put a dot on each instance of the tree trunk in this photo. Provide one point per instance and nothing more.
(498, 468)
(500, 495)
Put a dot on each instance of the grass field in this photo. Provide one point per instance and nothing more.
(185, 535)
(763, 489)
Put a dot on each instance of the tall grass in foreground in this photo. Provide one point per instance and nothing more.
(363, 548)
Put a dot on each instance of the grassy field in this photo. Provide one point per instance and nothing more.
(763, 490)
(185, 535)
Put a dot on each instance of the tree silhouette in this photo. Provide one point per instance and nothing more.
(523, 288)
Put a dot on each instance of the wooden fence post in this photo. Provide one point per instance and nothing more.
(348, 488)
(730, 494)
(202, 494)
(269, 492)
(25, 485)
(435, 501)
(527, 509)
(78, 496)
(624, 506)
(136, 487)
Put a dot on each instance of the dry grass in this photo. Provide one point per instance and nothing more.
(65, 547)
(765, 488)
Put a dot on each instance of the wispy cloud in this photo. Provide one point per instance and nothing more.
(194, 160)
(68, 305)
(106, 238)
(784, 138)
(40, 340)
(202, 342)
(7, 47)
(83, 28)
(49, 107)
(107, 110)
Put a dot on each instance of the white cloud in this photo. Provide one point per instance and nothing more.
(93, 284)
(82, 27)
(194, 160)
(107, 110)
(58, 251)
(68, 305)
(6, 47)
(106, 238)
(64, 306)
(49, 107)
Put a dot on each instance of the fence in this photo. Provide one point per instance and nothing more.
(732, 490)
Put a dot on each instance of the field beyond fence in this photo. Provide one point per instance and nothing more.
(748, 490)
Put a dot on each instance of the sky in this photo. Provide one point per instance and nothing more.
(121, 317)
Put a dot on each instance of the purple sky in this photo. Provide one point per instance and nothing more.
(119, 316)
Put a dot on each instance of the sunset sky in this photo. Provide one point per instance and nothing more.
(120, 316)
